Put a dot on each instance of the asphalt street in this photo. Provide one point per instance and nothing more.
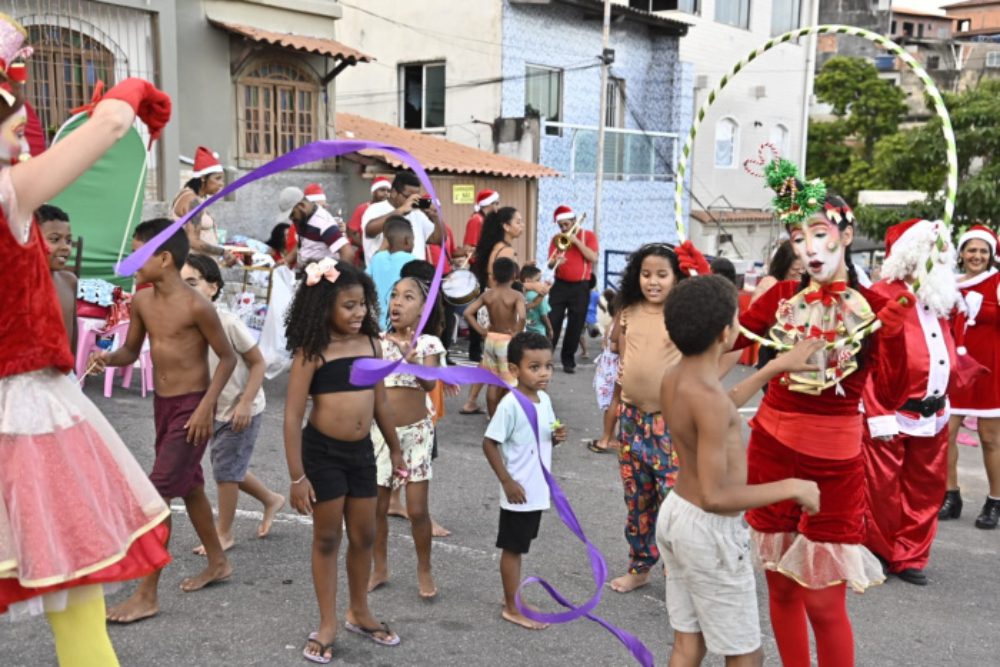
(263, 614)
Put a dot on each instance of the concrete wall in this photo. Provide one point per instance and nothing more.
(634, 212)
(465, 35)
(771, 91)
(980, 18)
(934, 27)
(870, 14)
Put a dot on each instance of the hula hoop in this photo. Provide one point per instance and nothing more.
(879, 40)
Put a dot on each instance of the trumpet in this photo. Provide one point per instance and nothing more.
(564, 240)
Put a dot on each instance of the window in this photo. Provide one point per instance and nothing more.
(727, 135)
(422, 96)
(277, 110)
(733, 12)
(689, 6)
(892, 30)
(785, 16)
(907, 29)
(779, 137)
(993, 59)
(933, 62)
(63, 72)
(920, 30)
(543, 94)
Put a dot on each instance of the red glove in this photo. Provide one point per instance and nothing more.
(150, 104)
(894, 315)
(691, 260)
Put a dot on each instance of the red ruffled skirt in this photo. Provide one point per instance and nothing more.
(75, 506)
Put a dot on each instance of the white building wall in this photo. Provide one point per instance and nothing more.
(714, 48)
(465, 35)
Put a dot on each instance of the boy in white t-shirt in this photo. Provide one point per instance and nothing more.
(517, 460)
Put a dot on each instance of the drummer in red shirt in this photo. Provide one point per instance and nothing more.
(380, 191)
(570, 295)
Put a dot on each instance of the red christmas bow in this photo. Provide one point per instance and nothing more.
(827, 293)
(816, 332)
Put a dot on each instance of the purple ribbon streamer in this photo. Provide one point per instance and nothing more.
(371, 371)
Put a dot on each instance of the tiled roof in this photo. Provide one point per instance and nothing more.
(434, 153)
(969, 3)
(318, 45)
(671, 26)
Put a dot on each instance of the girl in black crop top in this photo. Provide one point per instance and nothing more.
(331, 324)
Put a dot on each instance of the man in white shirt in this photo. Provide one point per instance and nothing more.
(403, 200)
(319, 233)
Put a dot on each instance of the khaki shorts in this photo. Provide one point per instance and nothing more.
(416, 441)
(710, 582)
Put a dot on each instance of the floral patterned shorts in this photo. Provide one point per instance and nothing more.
(416, 441)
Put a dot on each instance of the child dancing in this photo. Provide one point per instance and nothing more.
(54, 444)
(409, 398)
(333, 322)
(647, 462)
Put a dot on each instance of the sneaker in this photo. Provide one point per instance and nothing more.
(967, 439)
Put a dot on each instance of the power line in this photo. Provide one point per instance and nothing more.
(442, 36)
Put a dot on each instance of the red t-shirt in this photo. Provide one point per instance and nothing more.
(575, 268)
(354, 225)
(473, 228)
(434, 251)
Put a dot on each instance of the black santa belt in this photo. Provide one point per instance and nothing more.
(927, 407)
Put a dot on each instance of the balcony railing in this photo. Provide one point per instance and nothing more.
(629, 155)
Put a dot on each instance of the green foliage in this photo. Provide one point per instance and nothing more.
(827, 151)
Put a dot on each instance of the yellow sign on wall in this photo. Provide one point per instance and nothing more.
(463, 194)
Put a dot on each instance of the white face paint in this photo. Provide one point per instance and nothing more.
(13, 143)
(819, 245)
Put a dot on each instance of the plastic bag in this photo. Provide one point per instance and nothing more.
(272, 336)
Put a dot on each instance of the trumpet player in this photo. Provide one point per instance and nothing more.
(572, 254)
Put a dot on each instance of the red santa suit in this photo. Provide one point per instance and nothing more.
(906, 450)
(978, 331)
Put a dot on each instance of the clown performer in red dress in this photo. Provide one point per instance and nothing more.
(76, 509)
(977, 331)
(809, 425)
(905, 450)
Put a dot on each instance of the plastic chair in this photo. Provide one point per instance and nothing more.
(86, 341)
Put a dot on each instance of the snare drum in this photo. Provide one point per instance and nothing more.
(460, 287)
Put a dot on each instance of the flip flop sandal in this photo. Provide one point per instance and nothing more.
(477, 411)
(370, 633)
(594, 447)
(323, 648)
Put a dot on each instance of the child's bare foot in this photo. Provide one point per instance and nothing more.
(270, 509)
(135, 608)
(210, 575)
(517, 618)
(437, 530)
(629, 582)
(377, 579)
(226, 541)
(425, 581)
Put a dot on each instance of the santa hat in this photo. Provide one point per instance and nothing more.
(563, 213)
(981, 233)
(381, 182)
(485, 198)
(908, 247)
(314, 192)
(206, 162)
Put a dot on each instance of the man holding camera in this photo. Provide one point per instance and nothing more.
(570, 294)
(405, 200)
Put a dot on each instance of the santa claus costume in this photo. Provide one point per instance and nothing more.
(76, 509)
(977, 331)
(905, 450)
(808, 425)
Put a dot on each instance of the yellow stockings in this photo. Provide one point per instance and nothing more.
(81, 632)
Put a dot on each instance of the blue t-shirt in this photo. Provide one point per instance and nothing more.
(592, 307)
(384, 269)
(533, 318)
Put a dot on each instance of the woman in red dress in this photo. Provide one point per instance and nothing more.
(978, 331)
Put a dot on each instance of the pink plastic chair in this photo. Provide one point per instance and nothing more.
(86, 341)
(145, 366)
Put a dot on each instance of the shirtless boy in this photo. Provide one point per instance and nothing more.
(182, 324)
(54, 224)
(506, 308)
(711, 593)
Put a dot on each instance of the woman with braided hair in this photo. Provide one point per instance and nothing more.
(808, 425)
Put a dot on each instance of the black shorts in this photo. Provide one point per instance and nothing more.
(337, 468)
(517, 529)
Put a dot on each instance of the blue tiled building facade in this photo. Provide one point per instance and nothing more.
(658, 97)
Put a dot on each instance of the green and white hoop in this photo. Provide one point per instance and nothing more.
(890, 46)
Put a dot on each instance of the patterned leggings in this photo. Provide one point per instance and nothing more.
(648, 466)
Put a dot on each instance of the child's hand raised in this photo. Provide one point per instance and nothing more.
(514, 492)
(796, 360)
(302, 496)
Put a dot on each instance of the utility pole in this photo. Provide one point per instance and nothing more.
(607, 57)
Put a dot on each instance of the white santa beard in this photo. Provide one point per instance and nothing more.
(939, 291)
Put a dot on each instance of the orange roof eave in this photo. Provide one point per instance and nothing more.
(317, 45)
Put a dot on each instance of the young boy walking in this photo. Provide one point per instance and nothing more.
(182, 325)
(511, 451)
(700, 532)
(54, 225)
(506, 309)
(386, 265)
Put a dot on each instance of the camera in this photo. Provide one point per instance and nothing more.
(424, 203)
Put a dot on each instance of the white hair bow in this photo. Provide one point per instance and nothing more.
(324, 268)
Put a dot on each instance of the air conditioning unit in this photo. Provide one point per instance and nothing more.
(758, 92)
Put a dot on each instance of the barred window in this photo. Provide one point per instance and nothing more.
(277, 110)
(64, 69)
